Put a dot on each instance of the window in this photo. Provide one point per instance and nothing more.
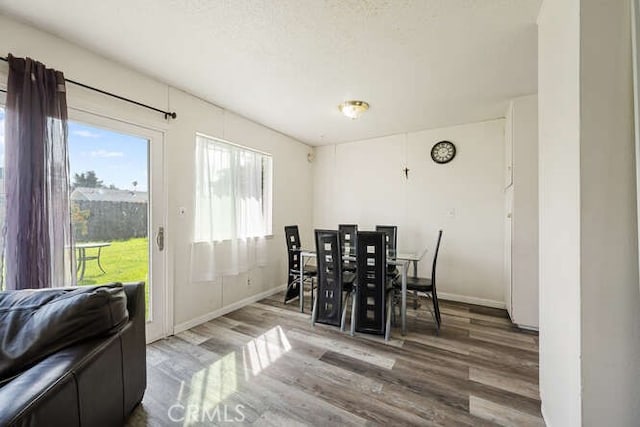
(233, 191)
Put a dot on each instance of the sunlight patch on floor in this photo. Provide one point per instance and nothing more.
(211, 385)
(208, 388)
(262, 351)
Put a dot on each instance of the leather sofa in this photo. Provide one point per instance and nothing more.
(73, 356)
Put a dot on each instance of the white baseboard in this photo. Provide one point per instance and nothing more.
(528, 328)
(472, 300)
(257, 297)
(226, 309)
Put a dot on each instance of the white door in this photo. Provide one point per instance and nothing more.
(118, 208)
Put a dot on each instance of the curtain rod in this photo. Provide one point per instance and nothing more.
(167, 114)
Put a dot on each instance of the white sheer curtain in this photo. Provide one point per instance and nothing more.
(233, 209)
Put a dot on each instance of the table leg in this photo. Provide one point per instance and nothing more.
(300, 285)
(100, 265)
(415, 293)
(78, 263)
(83, 262)
(403, 306)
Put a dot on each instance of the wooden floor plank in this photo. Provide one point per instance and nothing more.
(502, 415)
(267, 357)
(499, 380)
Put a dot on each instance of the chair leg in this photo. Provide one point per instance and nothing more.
(314, 312)
(354, 297)
(286, 292)
(436, 309)
(415, 300)
(433, 311)
(387, 332)
(343, 321)
(394, 321)
(394, 305)
(289, 286)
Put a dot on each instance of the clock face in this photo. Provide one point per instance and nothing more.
(443, 152)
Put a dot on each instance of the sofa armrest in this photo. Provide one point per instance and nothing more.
(135, 300)
(134, 347)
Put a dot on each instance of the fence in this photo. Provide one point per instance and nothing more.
(108, 220)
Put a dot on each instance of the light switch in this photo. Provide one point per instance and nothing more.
(451, 213)
(182, 211)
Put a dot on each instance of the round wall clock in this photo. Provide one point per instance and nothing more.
(443, 152)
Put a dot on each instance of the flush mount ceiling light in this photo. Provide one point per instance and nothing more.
(353, 109)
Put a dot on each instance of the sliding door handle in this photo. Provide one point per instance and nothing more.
(160, 238)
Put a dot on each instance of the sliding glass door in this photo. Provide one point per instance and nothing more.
(117, 208)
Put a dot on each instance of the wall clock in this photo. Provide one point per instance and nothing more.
(443, 152)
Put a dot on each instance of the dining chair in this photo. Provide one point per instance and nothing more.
(294, 284)
(391, 239)
(329, 307)
(374, 295)
(427, 286)
(348, 237)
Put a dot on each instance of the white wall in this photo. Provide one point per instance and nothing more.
(559, 204)
(363, 182)
(291, 203)
(609, 269)
(292, 172)
(590, 302)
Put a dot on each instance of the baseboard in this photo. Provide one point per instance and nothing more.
(472, 300)
(528, 328)
(257, 297)
(226, 309)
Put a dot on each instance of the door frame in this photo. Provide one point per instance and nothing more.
(159, 204)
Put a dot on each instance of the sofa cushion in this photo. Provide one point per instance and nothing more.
(37, 323)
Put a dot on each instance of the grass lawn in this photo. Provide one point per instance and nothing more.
(123, 261)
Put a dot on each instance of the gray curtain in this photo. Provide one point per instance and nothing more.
(37, 234)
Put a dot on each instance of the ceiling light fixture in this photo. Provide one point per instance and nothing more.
(353, 109)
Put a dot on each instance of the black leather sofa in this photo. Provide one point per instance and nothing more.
(94, 376)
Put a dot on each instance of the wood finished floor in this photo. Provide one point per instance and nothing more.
(268, 358)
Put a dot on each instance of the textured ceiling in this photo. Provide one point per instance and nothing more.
(288, 63)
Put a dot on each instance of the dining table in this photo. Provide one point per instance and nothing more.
(402, 260)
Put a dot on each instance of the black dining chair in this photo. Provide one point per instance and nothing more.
(374, 295)
(329, 306)
(391, 238)
(348, 238)
(427, 286)
(294, 284)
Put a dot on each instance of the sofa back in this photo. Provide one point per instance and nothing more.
(37, 323)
